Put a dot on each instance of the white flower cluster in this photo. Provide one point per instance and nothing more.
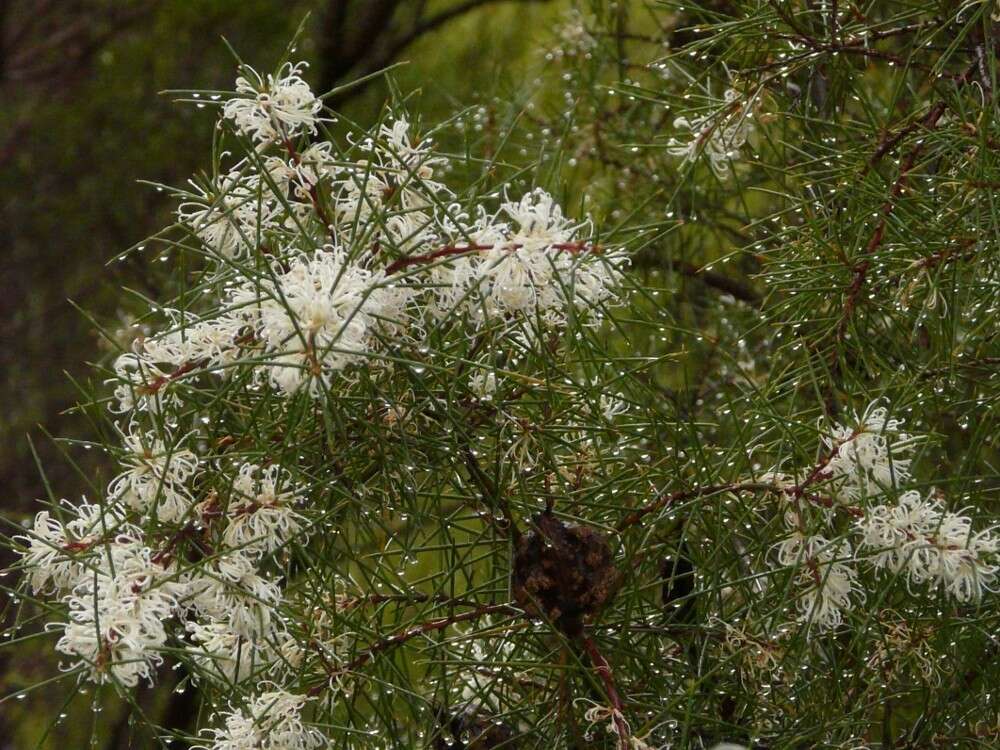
(358, 248)
(262, 516)
(869, 457)
(720, 134)
(155, 477)
(863, 459)
(47, 550)
(274, 108)
(931, 545)
(825, 576)
(272, 721)
(119, 593)
(127, 593)
(118, 610)
(864, 462)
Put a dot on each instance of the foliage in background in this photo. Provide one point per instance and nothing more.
(801, 491)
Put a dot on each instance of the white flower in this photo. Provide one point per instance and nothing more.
(214, 343)
(49, 556)
(272, 721)
(229, 219)
(139, 385)
(612, 406)
(279, 107)
(533, 266)
(118, 611)
(224, 653)
(411, 232)
(932, 546)
(483, 383)
(719, 134)
(393, 187)
(262, 514)
(319, 316)
(299, 175)
(456, 283)
(868, 457)
(154, 476)
(824, 574)
(490, 649)
(53, 552)
(229, 588)
(358, 195)
(401, 152)
(617, 726)
(46, 555)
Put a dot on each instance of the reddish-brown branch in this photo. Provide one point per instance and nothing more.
(795, 493)
(603, 670)
(413, 598)
(161, 380)
(669, 498)
(928, 123)
(449, 250)
(889, 142)
(313, 192)
(861, 268)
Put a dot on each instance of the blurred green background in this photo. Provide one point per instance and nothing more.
(83, 120)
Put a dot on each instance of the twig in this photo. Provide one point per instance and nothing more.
(720, 281)
(449, 250)
(161, 380)
(490, 490)
(603, 670)
(929, 122)
(313, 192)
(413, 632)
(665, 499)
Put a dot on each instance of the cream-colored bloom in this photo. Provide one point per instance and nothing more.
(931, 545)
(719, 134)
(119, 610)
(826, 578)
(870, 455)
(261, 514)
(271, 721)
(277, 107)
(155, 476)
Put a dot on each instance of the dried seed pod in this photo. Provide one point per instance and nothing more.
(468, 728)
(564, 572)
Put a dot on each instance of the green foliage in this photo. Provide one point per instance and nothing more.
(828, 245)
